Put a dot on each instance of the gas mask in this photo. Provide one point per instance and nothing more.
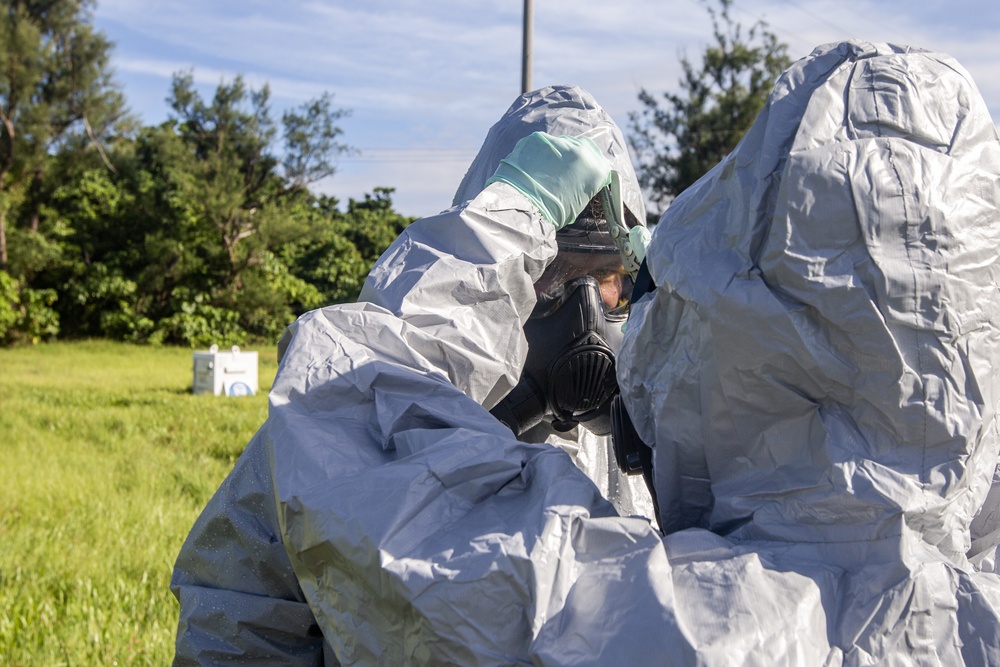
(573, 335)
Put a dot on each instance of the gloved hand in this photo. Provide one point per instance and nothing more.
(559, 174)
(638, 238)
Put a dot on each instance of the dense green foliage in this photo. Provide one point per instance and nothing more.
(678, 143)
(55, 96)
(200, 230)
(108, 460)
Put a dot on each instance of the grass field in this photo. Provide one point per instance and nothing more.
(107, 459)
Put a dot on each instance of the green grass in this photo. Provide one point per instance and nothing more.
(106, 459)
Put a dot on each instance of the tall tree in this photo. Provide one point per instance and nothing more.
(55, 88)
(678, 143)
(236, 205)
(311, 145)
(230, 171)
(234, 179)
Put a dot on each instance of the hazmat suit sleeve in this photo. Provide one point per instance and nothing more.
(420, 530)
(238, 595)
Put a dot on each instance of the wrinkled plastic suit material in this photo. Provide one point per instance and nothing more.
(816, 369)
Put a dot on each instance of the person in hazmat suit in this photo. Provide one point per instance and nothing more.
(558, 390)
(808, 372)
(582, 298)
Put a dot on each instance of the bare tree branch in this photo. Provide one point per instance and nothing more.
(97, 144)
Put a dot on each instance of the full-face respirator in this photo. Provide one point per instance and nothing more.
(573, 334)
(575, 330)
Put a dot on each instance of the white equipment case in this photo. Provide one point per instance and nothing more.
(232, 373)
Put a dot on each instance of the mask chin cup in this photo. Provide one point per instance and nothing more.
(632, 454)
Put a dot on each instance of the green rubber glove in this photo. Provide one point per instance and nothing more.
(559, 174)
(639, 238)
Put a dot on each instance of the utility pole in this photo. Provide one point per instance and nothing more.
(526, 49)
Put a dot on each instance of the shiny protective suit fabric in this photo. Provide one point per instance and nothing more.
(847, 434)
(817, 365)
(420, 530)
(240, 602)
(556, 110)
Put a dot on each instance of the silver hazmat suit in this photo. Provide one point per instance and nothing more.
(238, 593)
(816, 370)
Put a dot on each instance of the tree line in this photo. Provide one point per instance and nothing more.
(204, 229)
(191, 232)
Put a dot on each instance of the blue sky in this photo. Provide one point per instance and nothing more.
(425, 80)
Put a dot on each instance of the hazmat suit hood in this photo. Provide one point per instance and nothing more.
(557, 110)
(817, 362)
